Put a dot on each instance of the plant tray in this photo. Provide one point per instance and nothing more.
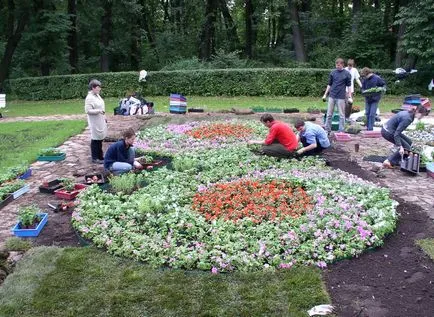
(410, 163)
(195, 110)
(343, 137)
(21, 191)
(51, 186)
(430, 169)
(60, 157)
(371, 134)
(6, 201)
(101, 180)
(31, 232)
(69, 195)
(26, 174)
(291, 110)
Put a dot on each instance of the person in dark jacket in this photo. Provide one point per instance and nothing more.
(371, 80)
(392, 132)
(120, 156)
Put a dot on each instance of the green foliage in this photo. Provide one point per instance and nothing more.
(215, 82)
(420, 126)
(9, 188)
(427, 245)
(50, 152)
(27, 215)
(68, 184)
(127, 183)
(418, 39)
(17, 244)
(87, 282)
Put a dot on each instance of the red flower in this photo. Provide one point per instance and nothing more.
(217, 130)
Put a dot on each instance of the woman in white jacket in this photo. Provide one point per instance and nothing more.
(95, 109)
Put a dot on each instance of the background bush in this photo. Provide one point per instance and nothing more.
(200, 82)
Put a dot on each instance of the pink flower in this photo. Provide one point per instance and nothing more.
(214, 270)
(321, 264)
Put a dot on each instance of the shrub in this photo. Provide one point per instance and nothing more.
(201, 82)
(17, 244)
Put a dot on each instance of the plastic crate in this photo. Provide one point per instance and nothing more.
(6, 201)
(69, 195)
(21, 191)
(17, 231)
(50, 186)
(60, 157)
(26, 174)
(371, 134)
(410, 163)
(430, 169)
(343, 137)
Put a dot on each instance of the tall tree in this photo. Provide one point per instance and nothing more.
(17, 21)
(230, 25)
(297, 34)
(72, 36)
(207, 37)
(106, 35)
(250, 21)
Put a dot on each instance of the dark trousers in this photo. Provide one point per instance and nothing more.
(277, 150)
(315, 151)
(96, 150)
(395, 158)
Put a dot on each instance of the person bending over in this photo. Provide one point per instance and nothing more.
(281, 141)
(313, 137)
(120, 156)
(392, 132)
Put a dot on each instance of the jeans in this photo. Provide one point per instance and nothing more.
(331, 107)
(370, 112)
(96, 150)
(277, 150)
(395, 158)
(315, 151)
(118, 168)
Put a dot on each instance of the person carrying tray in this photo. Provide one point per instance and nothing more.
(393, 130)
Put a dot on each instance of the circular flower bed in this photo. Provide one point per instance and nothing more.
(220, 130)
(271, 213)
(253, 199)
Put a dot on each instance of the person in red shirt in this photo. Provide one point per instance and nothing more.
(281, 141)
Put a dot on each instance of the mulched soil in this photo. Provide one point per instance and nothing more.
(394, 280)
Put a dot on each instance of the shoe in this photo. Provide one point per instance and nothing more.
(387, 164)
(97, 161)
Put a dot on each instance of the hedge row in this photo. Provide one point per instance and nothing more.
(220, 82)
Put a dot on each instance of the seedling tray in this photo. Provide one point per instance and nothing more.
(26, 174)
(371, 134)
(51, 186)
(195, 110)
(410, 163)
(60, 157)
(6, 201)
(21, 191)
(343, 137)
(31, 232)
(69, 195)
(101, 180)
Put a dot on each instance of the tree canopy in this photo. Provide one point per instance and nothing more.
(47, 37)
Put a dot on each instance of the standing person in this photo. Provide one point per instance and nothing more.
(121, 156)
(313, 137)
(392, 132)
(281, 141)
(338, 86)
(355, 76)
(95, 109)
(371, 80)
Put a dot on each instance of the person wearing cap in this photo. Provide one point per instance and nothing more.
(338, 86)
(281, 141)
(393, 130)
(355, 77)
(371, 80)
(94, 107)
(313, 137)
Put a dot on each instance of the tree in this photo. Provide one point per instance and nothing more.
(250, 21)
(72, 36)
(297, 35)
(106, 35)
(207, 37)
(17, 21)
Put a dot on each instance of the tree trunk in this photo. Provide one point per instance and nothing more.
(399, 55)
(250, 28)
(341, 7)
(230, 25)
(72, 36)
(297, 34)
(106, 35)
(14, 35)
(357, 5)
(207, 37)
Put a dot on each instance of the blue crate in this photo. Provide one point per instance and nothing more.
(31, 232)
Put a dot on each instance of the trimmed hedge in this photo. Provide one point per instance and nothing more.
(218, 82)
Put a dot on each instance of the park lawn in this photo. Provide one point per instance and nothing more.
(18, 108)
(52, 281)
(20, 142)
(427, 245)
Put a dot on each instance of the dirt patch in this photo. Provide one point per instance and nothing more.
(394, 280)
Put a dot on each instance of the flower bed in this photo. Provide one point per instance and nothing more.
(222, 208)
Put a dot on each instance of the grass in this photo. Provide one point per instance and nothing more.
(20, 142)
(19, 108)
(427, 245)
(86, 282)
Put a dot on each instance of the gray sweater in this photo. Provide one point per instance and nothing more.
(398, 123)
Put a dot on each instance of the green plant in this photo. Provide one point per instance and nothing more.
(420, 126)
(126, 183)
(17, 244)
(68, 184)
(27, 215)
(50, 152)
(8, 188)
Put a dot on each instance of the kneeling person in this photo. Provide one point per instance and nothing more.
(120, 156)
(281, 141)
(313, 137)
